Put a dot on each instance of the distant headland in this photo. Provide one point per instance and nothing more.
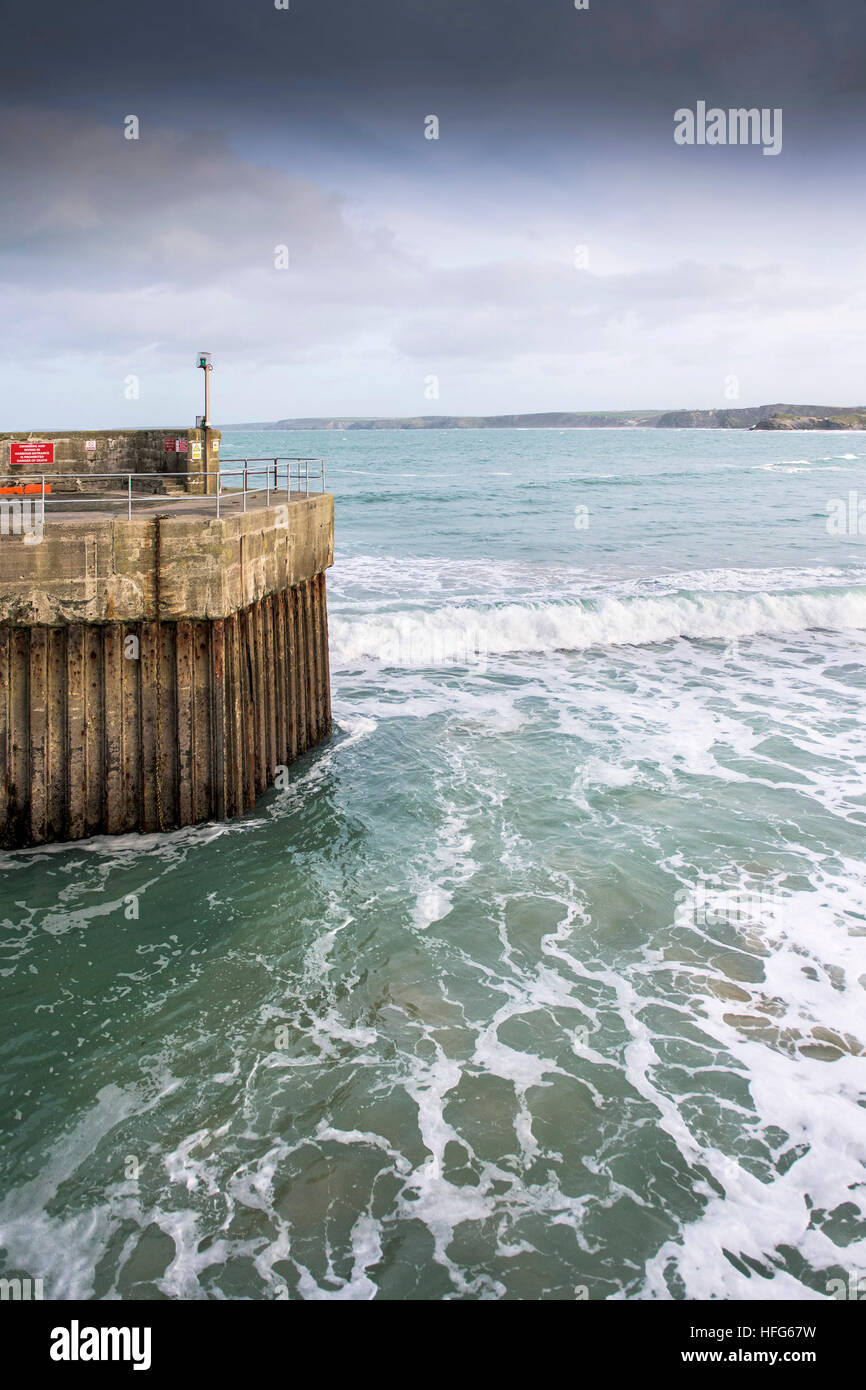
(756, 417)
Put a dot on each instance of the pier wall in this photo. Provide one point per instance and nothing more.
(90, 452)
(156, 673)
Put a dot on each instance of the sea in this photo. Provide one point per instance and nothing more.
(545, 977)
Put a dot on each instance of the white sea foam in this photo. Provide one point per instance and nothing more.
(824, 464)
(468, 635)
(372, 584)
(508, 1052)
(784, 466)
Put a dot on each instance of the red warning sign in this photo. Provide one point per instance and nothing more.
(31, 453)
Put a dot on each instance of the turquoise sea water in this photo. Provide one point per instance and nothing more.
(545, 977)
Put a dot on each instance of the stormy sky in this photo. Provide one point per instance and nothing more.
(553, 249)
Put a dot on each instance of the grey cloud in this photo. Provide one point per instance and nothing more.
(173, 208)
(499, 312)
(118, 256)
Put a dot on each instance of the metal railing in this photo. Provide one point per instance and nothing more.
(300, 472)
(272, 476)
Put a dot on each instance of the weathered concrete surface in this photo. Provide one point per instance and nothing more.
(97, 569)
(155, 673)
(121, 451)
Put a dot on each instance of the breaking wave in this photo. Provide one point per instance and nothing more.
(456, 634)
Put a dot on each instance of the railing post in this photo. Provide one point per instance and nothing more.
(218, 493)
(245, 486)
(307, 477)
(129, 497)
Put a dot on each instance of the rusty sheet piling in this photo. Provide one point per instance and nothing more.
(157, 673)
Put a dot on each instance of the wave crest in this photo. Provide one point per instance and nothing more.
(452, 635)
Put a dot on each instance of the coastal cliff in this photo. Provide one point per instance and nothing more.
(765, 417)
(839, 420)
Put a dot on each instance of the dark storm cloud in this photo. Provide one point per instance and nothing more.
(622, 54)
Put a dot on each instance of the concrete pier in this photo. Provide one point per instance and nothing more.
(173, 452)
(156, 672)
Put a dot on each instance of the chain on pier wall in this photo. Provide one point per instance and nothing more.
(187, 723)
